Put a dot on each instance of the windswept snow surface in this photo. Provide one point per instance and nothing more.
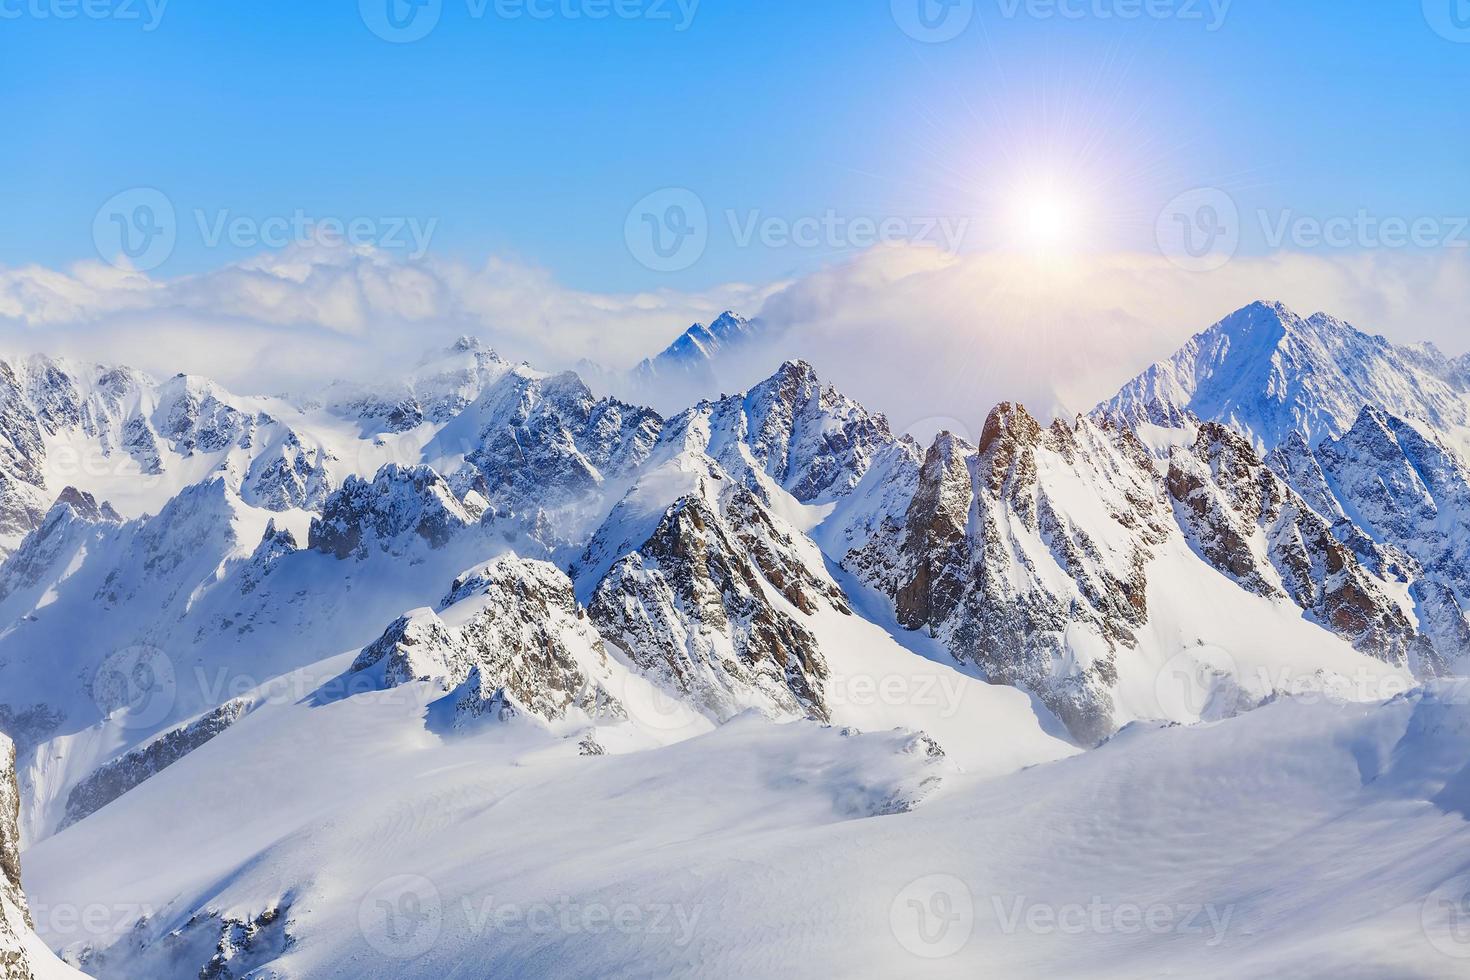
(1307, 838)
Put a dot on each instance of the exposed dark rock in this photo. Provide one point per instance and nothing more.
(121, 775)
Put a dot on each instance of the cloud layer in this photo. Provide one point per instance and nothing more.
(935, 341)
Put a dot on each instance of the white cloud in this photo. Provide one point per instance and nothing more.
(931, 340)
(936, 341)
(284, 320)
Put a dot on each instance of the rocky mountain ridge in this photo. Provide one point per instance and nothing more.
(705, 555)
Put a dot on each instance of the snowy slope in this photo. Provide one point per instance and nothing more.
(392, 853)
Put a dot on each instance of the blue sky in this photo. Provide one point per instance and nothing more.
(533, 137)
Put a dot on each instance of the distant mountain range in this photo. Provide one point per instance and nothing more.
(481, 554)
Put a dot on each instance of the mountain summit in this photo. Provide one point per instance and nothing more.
(1267, 372)
(699, 345)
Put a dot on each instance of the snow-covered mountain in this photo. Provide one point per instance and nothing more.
(695, 350)
(493, 604)
(1373, 438)
(1066, 561)
(814, 442)
(136, 443)
(1267, 372)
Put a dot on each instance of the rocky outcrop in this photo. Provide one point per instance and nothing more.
(111, 781)
(275, 544)
(416, 646)
(538, 448)
(391, 513)
(1406, 488)
(22, 451)
(809, 438)
(1249, 524)
(1398, 498)
(209, 945)
(55, 540)
(511, 640)
(15, 919)
(711, 601)
(246, 944)
(997, 555)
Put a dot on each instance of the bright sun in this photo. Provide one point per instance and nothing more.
(1047, 218)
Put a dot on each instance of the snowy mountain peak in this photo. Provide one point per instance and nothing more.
(1266, 371)
(693, 352)
(702, 342)
(85, 506)
(1011, 422)
(392, 511)
(467, 344)
(947, 445)
(810, 439)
